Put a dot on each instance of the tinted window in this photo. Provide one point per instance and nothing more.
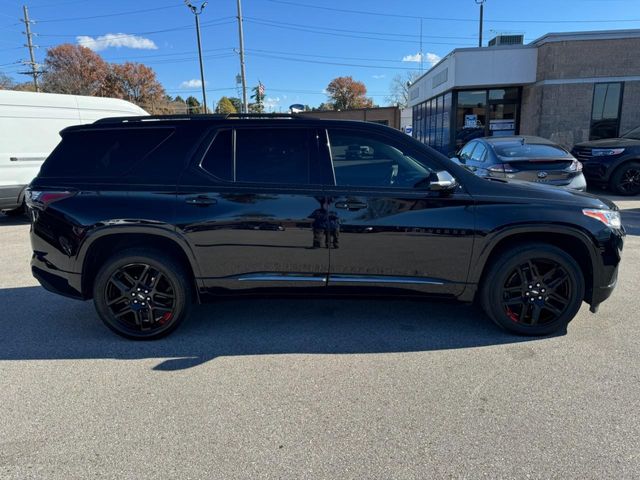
(273, 155)
(102, 153)
(605, 111)
(528, 150)
(478, 152)
(218, 160)
(361, 159)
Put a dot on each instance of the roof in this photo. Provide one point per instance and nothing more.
(530, 139)
(547, 38)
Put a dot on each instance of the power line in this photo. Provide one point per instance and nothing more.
(118, 14)
(315, 30)
(278, 57)
(393, 34)
(446, 19)
(325, 56)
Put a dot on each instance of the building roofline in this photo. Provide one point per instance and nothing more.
(546, 38)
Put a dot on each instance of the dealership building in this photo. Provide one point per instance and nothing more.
(567, 87)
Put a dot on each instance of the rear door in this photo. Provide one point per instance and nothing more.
(385, 227)
(251, 207)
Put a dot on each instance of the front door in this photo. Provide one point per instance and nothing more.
(385, 227)
(251, 209)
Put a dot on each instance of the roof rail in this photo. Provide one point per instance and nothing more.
(208, 116)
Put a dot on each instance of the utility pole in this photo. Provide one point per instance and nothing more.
(421, 54)
(32, 62)
(245, 105)
(481, 3)
(196, 12)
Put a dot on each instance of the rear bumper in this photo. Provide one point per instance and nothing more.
(11, 196)
(56, 280)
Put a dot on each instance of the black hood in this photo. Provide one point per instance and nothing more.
(610, 143)
(540, 193)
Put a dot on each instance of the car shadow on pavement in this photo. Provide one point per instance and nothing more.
(39, 325)
(8, 220)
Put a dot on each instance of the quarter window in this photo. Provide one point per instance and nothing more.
(218, 160)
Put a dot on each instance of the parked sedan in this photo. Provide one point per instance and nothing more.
(532, 159)
(613, 162)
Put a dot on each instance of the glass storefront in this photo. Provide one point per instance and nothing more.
(448, 121)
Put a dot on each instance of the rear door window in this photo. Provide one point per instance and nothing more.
(479, 152)
(102, 153)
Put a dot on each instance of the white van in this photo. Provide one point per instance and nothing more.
(29, 130)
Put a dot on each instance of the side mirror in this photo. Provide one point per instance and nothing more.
(444, 183)
(457, 160)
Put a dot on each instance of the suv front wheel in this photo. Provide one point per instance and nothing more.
(142, 294)
(533, 289)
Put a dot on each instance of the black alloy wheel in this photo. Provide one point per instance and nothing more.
(626, 179)
(141, 295)
(533, 289)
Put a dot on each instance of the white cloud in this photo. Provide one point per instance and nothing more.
(117, 40)
(270, 103)
(378, 77)
(193, 83)
(430, 58)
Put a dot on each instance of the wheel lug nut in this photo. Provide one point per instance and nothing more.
(138, 289)
(543, 290)
(527, 294)
(537, 284)
(539, 298)
(133, 294)
(530, 286)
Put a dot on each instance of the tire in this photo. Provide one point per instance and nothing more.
(512, 303)
(125, 283)
(16, 212)
(625, 180)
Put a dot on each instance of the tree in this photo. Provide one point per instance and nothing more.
(193, 105)
(258, 96)
(225, 106)
(74, 69)
(399, 88)
(237, 103)
(137, 83)
(6, 83)
(347, 93)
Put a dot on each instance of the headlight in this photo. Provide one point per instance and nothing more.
(606, 152)
(610, 218)
(575, 166)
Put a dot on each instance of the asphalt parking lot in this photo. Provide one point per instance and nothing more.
(316, 388)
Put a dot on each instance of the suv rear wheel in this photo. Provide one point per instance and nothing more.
(625, 180)
(533, 289)
(142, 294)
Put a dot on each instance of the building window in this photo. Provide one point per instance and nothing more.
(605, 110)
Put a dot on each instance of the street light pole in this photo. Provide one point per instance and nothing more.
(481, 3)
(245, 105)
(196, 12)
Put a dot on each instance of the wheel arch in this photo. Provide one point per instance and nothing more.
(572, 241)
(104, 244)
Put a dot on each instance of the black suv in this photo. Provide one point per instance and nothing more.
(146, 215)
(612, 162)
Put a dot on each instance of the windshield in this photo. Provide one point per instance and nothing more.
(528, 150)
(633, 134)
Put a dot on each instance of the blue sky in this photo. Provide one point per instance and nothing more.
(295, 50)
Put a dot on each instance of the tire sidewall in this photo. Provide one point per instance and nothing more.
(492, 292)
(169, 267)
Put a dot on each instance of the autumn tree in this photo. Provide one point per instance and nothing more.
(225, 106)
(399, 88)
(136, 83)
(346, 93)
(74, 69)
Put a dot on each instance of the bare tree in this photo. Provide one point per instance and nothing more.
(5, 82)
(399, 88)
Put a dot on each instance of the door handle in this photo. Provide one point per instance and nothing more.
(201, 200)
(351, 205)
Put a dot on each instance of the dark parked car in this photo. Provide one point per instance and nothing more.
(147, 215)
(613, 162)
(532, 159)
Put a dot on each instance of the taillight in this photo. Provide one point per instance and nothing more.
(502, 168)
(44, 198)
